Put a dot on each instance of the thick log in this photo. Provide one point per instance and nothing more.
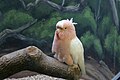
(33, 59)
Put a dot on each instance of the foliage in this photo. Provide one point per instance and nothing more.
(111, 41)
(14, 19)
(49, 32)
(92, 4)
(90, 41)
(118, 51)
(105, 9)
(104, 27)
(118, 43)
(89, 19)
(98, 48)
(6, 5)
(43, 29)
(42, 11)
(85, 20)
(87, 40)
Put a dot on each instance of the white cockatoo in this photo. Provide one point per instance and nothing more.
(66, 45)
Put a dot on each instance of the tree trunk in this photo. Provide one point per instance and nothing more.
(115, 14)
(97, 10)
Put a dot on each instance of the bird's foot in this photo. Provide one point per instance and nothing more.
(75, 70)
(74, 66)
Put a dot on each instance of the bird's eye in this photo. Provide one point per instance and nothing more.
(65, 28)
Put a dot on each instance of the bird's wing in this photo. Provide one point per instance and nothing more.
(77, 53)
(55, 44)
(76, 49)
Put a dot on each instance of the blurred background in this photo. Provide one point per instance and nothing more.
(97, 28)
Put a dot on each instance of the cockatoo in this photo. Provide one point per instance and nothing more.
(66, 45)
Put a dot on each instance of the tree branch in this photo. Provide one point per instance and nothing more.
(42, 44)
(33, 59)
(61, 8)
(63, 2)
(8, 32)
(23, 3)
(24, 27)
(23, 41)
(29, 5)
(55, 6)
(97, 10)
(115, 14)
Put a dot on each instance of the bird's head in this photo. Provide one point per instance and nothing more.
(66, 27)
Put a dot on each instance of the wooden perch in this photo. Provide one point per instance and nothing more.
(33, 59)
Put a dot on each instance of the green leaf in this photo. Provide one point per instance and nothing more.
(14, 19)
(88, 19)
(98, 48)
(104, 27)
(44, 28)
(87, 39)
(111, 41)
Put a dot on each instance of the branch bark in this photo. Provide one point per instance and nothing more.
(115, 14)
(97, 10)
(33, 59)
(63, 2)
(61, 8)
(55, 6)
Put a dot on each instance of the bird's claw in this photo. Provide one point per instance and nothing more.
(74, 69)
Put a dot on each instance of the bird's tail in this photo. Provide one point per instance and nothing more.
(82, 66)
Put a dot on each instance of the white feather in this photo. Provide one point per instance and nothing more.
(71, 20)
(67, 19)
(77, 52)
(60, 23)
